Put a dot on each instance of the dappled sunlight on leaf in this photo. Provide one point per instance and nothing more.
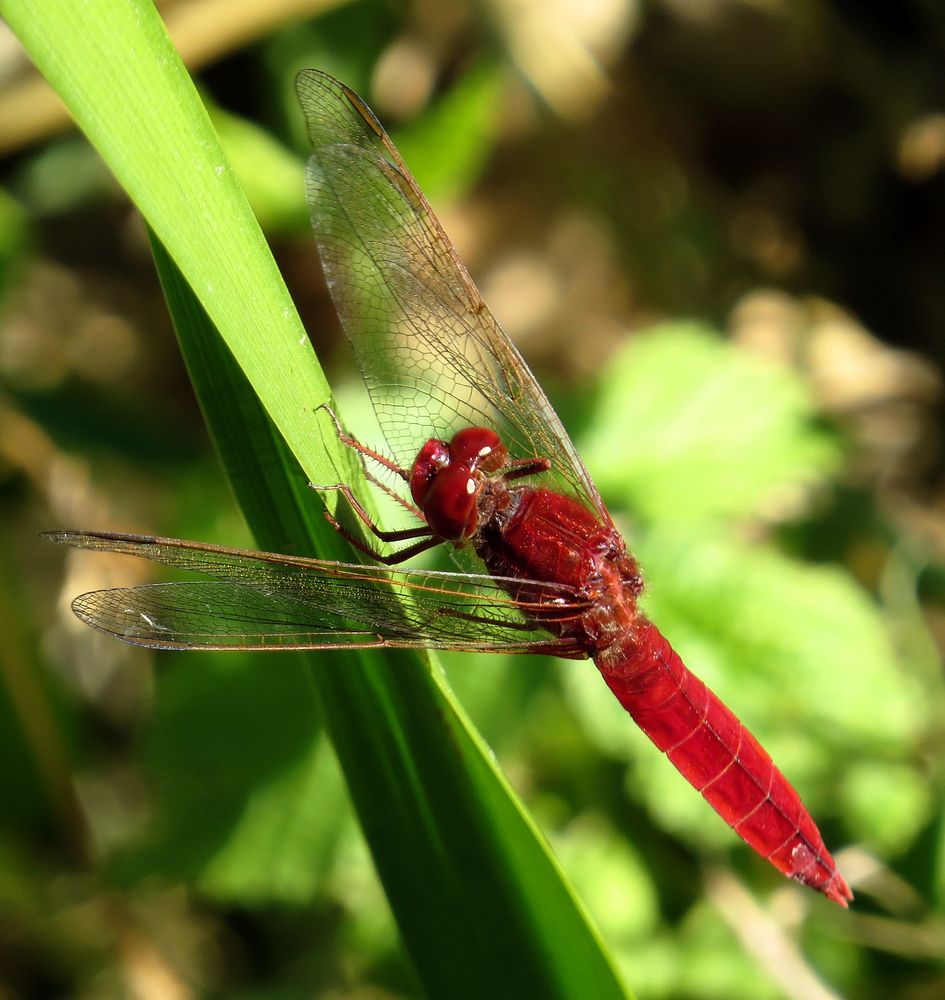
(610, 877)
(258, 799)
(886, 804)
(688, 428)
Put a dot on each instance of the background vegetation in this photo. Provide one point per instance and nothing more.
(714, 230)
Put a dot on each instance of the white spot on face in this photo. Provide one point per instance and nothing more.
(470, 486)
(485, 450)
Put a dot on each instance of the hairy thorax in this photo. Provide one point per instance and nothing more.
(531, 534)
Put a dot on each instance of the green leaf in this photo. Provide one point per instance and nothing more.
(13, 234)
(713, 969)
(272, 177)
(688, 427)
(251, 811)
(806, 633)
(482, 907)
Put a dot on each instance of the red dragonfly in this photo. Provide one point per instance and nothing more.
(485, 466)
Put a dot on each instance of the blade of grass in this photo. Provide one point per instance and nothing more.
(482, 906)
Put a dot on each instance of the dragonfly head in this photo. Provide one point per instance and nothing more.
(444, 483)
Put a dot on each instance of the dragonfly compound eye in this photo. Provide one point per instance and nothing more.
(479, 448)
(432, 458)
(450, 507)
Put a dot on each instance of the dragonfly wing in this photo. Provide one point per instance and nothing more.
(210, 614)
(266, 600)
(433, 357)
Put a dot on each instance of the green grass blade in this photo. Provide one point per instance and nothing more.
(483, 908)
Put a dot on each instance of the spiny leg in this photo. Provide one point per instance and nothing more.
(428, 539)
(393, 494)
(401, 535)
(522, 467)
(352, 442)
(392, 558)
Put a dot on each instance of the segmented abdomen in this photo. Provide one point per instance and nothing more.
(719, 757)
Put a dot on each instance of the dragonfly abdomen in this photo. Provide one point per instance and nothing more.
(719, 757)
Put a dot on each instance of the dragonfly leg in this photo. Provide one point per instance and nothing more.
(421, 531)
(393, 494)
(427, 539)
(522, 467)
(391, 558)
(352, 442)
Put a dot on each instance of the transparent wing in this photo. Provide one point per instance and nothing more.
(260, 600)
(433, 357)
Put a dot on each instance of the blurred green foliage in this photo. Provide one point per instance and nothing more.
(784, 567)
(680, 406)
